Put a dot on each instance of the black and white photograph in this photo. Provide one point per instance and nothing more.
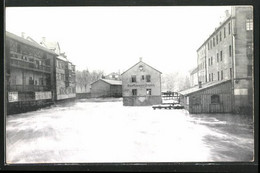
(129, 84)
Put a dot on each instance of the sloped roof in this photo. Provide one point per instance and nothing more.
(137, 64)
(22, 40)
(50, 45)
(204, 86)
(195, 70)
(109, 81)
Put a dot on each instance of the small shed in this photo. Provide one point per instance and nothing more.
(106, 88)
(212, 97)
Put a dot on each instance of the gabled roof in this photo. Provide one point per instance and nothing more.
(109, 81)
(22, 40)
(204, 86)
(54, 46)
(137, 64)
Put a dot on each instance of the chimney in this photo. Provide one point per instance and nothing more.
(140, 58)
(200, 85)
(23, 34)
(227, 13)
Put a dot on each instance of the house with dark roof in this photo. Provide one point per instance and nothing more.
(106, 88)
(141, 85)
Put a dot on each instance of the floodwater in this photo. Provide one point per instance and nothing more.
(99, 130)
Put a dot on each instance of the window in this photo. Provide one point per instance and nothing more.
(35, 82)
(217, 58)
(229, 28)
(40, 81)
(214, 42)
(249, 24)
(142, 77)
(215, 99)
(249, 70)
(148, 78)
(149, 92)
(249, 50)
(220, 37)
(221, 74)
(31, 82)
(19, 48)
(210, 44)
(211, 60)
(134, 92)
(220, 55)
(230, 71)
(133, 78)
(224, 32)
(218, 75)
(217, 38)
(230, 51)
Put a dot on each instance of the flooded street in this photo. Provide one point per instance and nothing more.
(107, 131)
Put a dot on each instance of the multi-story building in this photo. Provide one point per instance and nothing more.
(36, 75)
(29, 74)
(225, 66)
(141, 85)
(65, 75)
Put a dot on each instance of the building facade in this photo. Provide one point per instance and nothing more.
(29, 74)
(227, 55)
(35, 76)
(141, 85)
(65, 74)
(194, 77)
(106, 88)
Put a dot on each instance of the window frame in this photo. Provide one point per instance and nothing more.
(133, 79)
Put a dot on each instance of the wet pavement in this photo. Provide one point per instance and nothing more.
(106, 131)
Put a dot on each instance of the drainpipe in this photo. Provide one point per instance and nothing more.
(233, 59)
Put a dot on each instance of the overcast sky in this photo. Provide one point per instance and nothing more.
(113, 38)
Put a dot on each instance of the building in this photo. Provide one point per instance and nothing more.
(65, 75)
(113, 76)
(141, 85)
(106, 88)
(29, 74)
(194, 77)
(225, 67)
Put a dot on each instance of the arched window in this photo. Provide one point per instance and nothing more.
(215, 99)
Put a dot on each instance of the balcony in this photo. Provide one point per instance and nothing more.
(28, 88)
(29, 65)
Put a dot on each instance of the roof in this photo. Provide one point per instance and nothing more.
(50, 45)
(216, 30)
(195, 70)
(62, 58)
(109, 81)
(204, 86)
(22, 40)
(138, 63)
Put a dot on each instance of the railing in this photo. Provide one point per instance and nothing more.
(30, 65)
(28, 88)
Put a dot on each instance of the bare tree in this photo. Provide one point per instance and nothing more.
(169, 81)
